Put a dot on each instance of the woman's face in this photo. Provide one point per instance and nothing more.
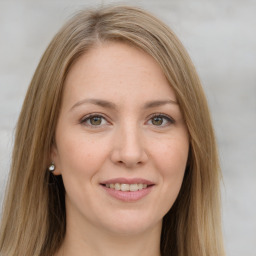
(121, 141)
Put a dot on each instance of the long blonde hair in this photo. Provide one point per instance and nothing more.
(33, 220)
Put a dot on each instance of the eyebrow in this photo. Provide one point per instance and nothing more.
(110, 105)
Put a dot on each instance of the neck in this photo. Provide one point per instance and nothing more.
(100, 243)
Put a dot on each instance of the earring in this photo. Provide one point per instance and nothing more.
(51, 168)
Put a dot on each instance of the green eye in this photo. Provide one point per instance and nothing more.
(161, 120)
(96, 120)
(157, 120)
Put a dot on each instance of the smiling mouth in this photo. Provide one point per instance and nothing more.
(126, 187)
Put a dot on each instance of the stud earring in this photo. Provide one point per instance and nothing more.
(51, 168)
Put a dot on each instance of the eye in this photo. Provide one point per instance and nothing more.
(161, 120)
(94, 120)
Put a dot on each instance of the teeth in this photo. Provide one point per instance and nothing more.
(127, 187)
(117, 186)
(141, 186)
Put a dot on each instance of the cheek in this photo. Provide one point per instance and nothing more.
(79, 154)
(171, 160)
(79, 160)
(172, 155)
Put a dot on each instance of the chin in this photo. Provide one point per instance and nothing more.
(128, 224)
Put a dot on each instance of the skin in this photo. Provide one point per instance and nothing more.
(125, 142)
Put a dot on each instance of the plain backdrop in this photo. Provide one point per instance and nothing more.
(220, 36)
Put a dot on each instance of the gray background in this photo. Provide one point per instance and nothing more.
(221, 39)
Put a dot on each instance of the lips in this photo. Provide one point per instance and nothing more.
(127, 190)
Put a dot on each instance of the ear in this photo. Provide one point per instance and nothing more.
(55, 160)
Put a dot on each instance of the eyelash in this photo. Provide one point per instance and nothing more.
(83, 121)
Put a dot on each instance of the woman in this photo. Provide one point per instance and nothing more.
(114, 150)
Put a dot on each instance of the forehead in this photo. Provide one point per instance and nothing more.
(116, 71)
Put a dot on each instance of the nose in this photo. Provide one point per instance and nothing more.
(128, 148)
